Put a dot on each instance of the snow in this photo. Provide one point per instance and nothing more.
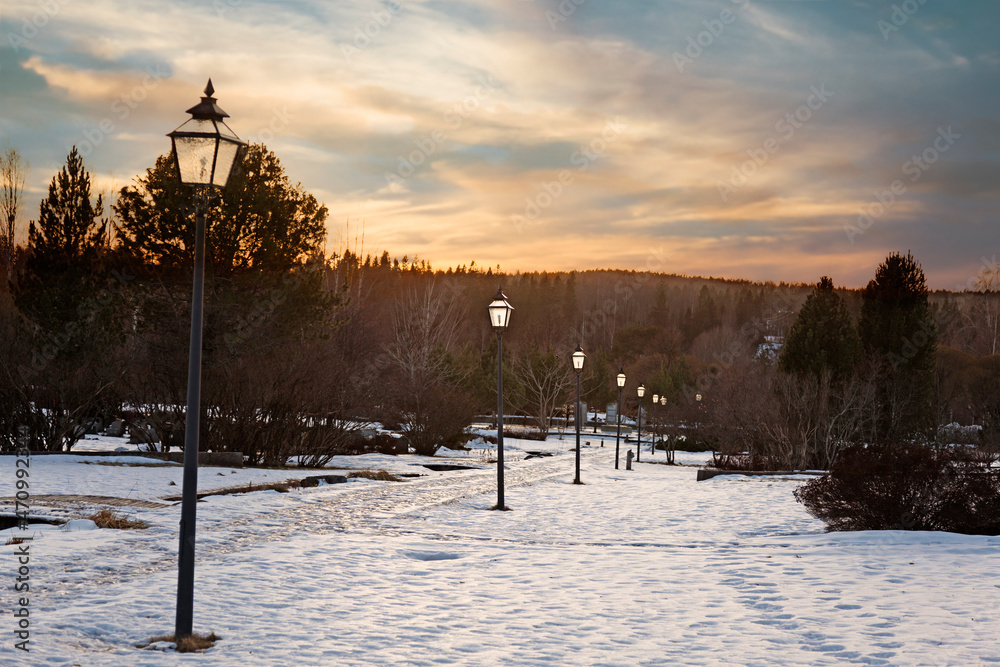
(634, 567)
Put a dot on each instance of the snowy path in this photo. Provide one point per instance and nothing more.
(646, 567)
(334, 508)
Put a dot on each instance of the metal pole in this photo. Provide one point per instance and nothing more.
(500, 503)
(618, 434)
(638, 431)
(189, 500)
(577, 480)
(652, 439)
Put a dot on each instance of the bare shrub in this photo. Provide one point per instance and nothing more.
(765, 419)
(524, 433)
(193, 643)
(107, 517)
(906, 487)
(377, 475)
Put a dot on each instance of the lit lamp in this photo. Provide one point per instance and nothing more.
(578, 358)
(663, 416)
(500, 312)
(205, 151)
(618, 433)
(641, 391)
(697, 397)
(652, 437)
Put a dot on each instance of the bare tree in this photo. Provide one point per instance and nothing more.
(422, 353)
(425, 326)
(12, 168)
(546, 378)
(983, 314)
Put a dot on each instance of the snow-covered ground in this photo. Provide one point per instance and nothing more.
(634, 567)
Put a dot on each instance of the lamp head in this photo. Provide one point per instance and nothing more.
(500, 311)
(204, 148)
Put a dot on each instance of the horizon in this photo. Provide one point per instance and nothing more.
(762, 141)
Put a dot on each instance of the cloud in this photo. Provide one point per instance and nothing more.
(495, 105)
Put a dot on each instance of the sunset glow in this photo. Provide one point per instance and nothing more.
(725, 138)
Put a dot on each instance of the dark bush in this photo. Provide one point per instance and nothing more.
(524, 433)
(906, 487)
(747, 461)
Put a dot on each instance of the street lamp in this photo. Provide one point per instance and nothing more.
(697, 425)
(618, 433)
(641, 391)
(578, 358)
(663, 430)
(204, 151)
(653, 429)
(500, 312)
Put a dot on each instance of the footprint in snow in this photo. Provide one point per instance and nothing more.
(430, 555)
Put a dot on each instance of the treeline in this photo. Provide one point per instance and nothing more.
(304, 349)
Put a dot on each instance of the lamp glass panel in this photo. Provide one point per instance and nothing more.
(500, 313)
(228, 150)
(195, 155)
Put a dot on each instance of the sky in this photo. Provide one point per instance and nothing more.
(769, 140)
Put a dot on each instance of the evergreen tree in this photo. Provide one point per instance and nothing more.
(74, 313)
(822, 338)
(897, 329)
(660, 315)
(262, 222)
(69, 232)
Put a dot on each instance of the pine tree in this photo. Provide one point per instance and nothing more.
(69, 233)
(262, 221)
(822, 338)
(897, 329)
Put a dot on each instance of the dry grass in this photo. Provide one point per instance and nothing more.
(194, 643)
(117, 464)
(110, 518)
(250, 487)
(379, 475)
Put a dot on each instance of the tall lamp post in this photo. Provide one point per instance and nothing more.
(663, 429)
(641, 391)
(578, 358)
(204, 150)
(653, 428)
(500, 312)
(697, 397)
(618, 433)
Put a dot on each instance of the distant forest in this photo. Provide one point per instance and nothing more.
(304, 349)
